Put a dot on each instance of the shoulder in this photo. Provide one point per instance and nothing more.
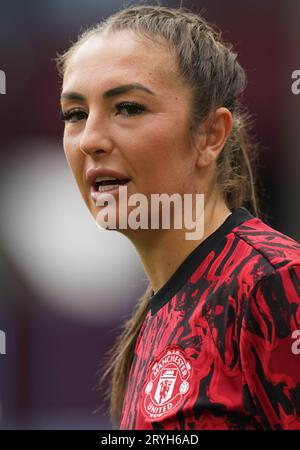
(274, 297)
(264, 253)
(276, 247)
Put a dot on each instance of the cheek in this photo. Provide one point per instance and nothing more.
(162, 157)
(159, 169)
(74, 158)
(151, 146)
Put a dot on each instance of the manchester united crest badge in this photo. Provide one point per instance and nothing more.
(167, 383)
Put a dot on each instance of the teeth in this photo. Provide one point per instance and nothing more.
(98, 179)
(108, 187)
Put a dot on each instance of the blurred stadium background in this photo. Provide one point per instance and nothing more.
(60, 305)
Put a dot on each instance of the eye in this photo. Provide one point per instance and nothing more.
(130, 108)
(74, 115)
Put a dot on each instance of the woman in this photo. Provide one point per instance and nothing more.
(150, 100)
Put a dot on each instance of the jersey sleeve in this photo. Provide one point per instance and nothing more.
(270, 350)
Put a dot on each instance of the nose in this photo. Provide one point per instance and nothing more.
(95, 138)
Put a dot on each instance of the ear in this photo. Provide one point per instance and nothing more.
(213, 136)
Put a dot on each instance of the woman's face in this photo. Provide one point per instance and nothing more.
(129, 111)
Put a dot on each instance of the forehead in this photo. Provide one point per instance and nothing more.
(121, 57)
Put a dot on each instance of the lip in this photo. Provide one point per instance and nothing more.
(93, 173)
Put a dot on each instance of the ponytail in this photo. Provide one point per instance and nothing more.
(235, 174)
(121, 356)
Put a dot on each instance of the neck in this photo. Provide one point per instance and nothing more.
(163, 251)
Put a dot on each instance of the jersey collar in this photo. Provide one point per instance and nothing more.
(190, 264)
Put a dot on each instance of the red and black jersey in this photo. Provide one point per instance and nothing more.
(220, 345)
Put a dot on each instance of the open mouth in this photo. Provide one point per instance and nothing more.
(105, 184)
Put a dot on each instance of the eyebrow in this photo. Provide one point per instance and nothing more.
(110, 93)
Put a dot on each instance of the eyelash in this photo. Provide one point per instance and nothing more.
(78, 114)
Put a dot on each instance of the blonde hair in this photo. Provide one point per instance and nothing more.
(210, 67)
